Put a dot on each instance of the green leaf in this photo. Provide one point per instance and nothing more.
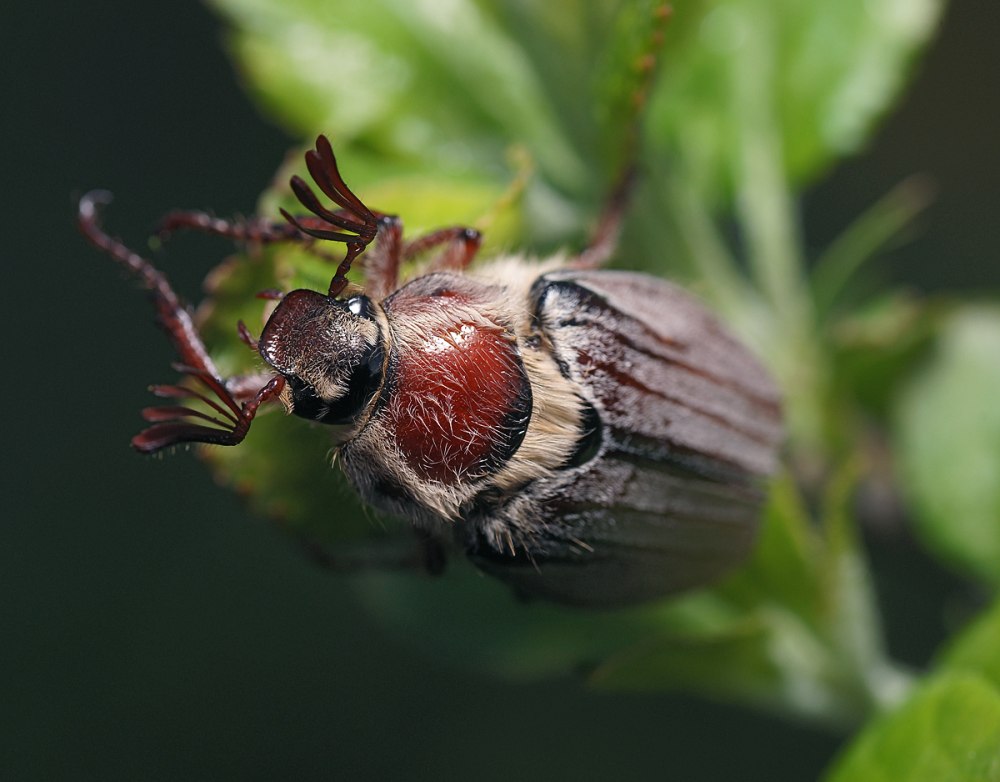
(884, 221)
(466, 619)
(760, 637)
(793, 631)
(768, 658)
(734, 659)
(977, 648)
(430, 81)
(819, 74)
(875, 351)
(948, 732)
(786, 564)
(948, 444)
(949, 729)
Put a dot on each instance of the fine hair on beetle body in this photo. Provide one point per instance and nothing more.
(590, 437)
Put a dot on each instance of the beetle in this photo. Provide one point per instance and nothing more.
(589, 436)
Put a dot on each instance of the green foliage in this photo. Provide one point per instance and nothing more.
(426, 102)
(949, 443)
(949, 729)
(975, 649)
(946, 733)
(817, 75)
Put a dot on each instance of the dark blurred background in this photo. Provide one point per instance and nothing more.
(151, 628)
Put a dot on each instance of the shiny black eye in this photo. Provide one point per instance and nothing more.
(361, 306)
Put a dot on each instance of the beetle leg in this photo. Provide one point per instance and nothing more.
(252, 230)
(255, 231)
(175, 425)
(228, 421)
(172, 315)
(460, 247)
(382, 261)
(356, 225)
(243, 388)
(604, 240)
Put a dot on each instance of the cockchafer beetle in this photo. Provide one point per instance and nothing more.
(591, 437)
(588, 436)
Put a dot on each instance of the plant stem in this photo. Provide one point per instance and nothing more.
(765, 205)
(863, 238)
(768, 217)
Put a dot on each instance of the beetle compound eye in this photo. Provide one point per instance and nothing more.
(362, 307)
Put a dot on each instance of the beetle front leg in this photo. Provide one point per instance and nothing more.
(255, 231)
(252, 231)
(604, 240)
(172, 425)
(460, 247)
(229, 419)
(243, 388)
(352, 223)
(382, 261)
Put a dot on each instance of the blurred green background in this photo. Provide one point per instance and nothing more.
(150, 627)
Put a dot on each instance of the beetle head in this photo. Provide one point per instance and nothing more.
(330, 351)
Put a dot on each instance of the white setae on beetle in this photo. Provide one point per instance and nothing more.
(590, 437)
